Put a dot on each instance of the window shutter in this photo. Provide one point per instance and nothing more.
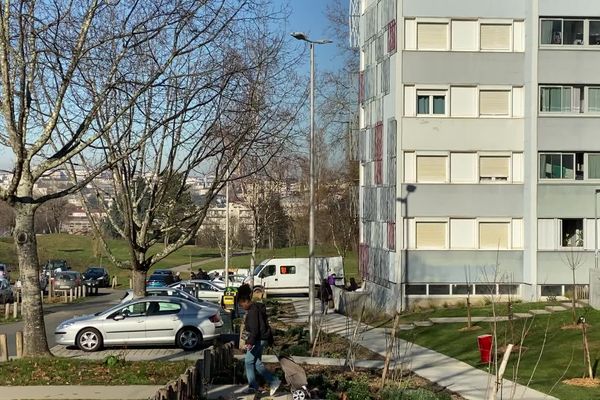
(391, 44)
(391, 235)
(432, 36)
(493, 235)
(495, 37)
(493, 102)
(493, 167)
(431, 235)
(431, 169)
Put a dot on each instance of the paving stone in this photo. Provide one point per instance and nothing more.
(569, 306)
(406, 327)
(522, 315)
(539, 312)
(423, 323)
(555, 308)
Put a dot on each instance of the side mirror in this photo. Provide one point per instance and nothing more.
(119, 317)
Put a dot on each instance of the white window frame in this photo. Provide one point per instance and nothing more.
(418, 154)
(413, 227)
(586, 96)
(493, 181)
(496, 89)
(561, 154)
(560, 232)
(586, 30)
(437, 21)
(586, 174)
(503, 22)
(582, 107)
(494, 220)
(431, 93)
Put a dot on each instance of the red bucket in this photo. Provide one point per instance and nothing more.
(485, 347)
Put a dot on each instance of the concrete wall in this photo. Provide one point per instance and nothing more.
(447, 266)
(569, 66)
(468, 201)
(465, 8)
(562, 133)
(553, 267)
(462, 134)
(436, 67)
(562, 8)
(564, 200)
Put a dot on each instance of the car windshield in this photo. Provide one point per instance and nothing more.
(94, 270)
(258, 268)
(66, 277)
(158, 277)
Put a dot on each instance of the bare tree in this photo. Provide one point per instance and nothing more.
(573, 260)
(210, 115)
(69, 73)
(7, 219)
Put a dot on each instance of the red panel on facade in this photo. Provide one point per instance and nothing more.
(391, 36)
(363, 260)
(391, 235)
(379, 153)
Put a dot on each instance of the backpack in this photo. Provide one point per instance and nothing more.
(265, 330)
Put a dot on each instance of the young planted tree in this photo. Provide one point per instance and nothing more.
(62, 65)
(228, 99)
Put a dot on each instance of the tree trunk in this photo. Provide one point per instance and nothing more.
(34, 330)
(139, 283)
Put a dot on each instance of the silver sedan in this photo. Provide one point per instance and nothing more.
(147, 321)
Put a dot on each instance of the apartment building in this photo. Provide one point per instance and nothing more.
(479, 147)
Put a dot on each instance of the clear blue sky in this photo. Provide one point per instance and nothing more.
(309, 16)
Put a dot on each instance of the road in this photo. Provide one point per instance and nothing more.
(56, 313)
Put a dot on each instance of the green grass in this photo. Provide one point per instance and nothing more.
(561, 355)
(78, 251)
(63, 371)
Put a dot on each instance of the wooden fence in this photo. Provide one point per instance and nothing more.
(191, 384)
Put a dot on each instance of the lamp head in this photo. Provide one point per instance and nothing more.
(299, 36)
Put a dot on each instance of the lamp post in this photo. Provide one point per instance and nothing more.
(596, 227)
(311, 229)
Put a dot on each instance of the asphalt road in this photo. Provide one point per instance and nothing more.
(56, 313)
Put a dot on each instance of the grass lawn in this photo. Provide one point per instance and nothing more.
(560, 358)
(63, 371)
(78, 251)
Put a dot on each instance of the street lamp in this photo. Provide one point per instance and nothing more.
(596, 227)
(311, 230)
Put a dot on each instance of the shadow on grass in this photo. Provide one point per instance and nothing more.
(71, 250)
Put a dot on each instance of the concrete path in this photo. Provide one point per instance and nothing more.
(235, 392)
(69, 392)
(129, 354)
(457, 376)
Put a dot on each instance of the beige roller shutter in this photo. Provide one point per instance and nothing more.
(432, 36)
(493, 167)
(495, 37)
(493, 102)
(431, 235)
(431, 169)
(493, 235)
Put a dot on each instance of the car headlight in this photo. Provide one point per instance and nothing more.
(64, 326)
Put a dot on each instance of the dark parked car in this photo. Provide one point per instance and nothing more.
(159, 280)
(94, 277)
(54, 266)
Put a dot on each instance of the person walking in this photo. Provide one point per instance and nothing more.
(258, 335)
(325, 295)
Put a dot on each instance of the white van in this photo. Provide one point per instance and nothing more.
(290, 275)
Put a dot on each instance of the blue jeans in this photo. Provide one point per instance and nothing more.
(252, 361)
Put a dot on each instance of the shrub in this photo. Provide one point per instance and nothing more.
(357, 390)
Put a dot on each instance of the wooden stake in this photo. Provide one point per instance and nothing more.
(3, 348)
(19, 340)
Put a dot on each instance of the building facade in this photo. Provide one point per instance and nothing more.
(479, 147)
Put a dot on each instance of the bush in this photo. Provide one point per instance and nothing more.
(357, 390)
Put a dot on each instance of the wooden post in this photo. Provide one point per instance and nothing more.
(19, 340)
(7, 311)
(84, 291)
(130, 283)
(66, 296)
(3, 348)
(71, 295)
(15, 310)
(51, 289)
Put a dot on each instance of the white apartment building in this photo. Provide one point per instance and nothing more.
(479, 146)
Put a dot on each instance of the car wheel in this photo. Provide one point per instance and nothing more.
(89, 339)
(189, 339)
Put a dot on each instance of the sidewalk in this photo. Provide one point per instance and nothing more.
(68, 392)
(457, 376)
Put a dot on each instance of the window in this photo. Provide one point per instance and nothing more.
(562, 31)
(432, 36)
(494, 102)
(493, 168)
(134, 310)
(563, 99)
(594, 35)
(495, 37)
(439, 289)
(431, 102)
(416, 289)
(571, 232)
(557, 166)
(462, 289)
(391, 42)
(593, 166)
(493, 235)
(431, 235)
(287, 269)
(431, 169)
(508, 289)
(269, 270)
(551, 290)
(163, 308)
(485, 289)
(593, 99)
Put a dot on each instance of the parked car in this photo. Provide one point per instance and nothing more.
(202, 289)
(159, 280)
(234, 280)
(94, 277)
(53, 266)
(167, 291)
(4, 271)
(67, 280)
(6, 292)
(145, 321)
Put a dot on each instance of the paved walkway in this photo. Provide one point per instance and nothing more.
(71, 392)
(129, 354)
(457, 376)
